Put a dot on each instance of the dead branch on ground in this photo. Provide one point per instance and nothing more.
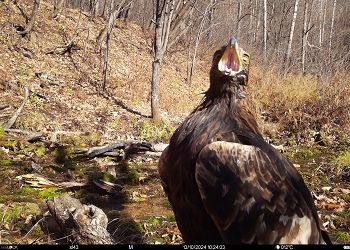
(19, 110)
(86, 224)
(32, 19)
(4, 106)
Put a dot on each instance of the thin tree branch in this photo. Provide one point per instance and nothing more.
(19, 110)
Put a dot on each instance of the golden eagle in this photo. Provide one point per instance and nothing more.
(225, 183)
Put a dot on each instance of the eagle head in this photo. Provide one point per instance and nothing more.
(231, 64)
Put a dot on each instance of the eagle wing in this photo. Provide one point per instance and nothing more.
(251, 199)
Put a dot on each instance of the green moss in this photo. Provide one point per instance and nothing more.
(28, 190)
(40, 151)
(154, 221)
(75, 141)
(133, 176)
(36, 101)
(343, 236)
(37, 232)
(6, 162)
(292, 143)
(150, 131)
(114, 124)
(10, 144)
(2, 132)
(108, 177)
(93, 138)
(33, 121)
(343, 160)
(18, 211)
(306, 154)
(48, 193)
(345, 197)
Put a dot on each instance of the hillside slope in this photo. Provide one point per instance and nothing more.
(69, 82)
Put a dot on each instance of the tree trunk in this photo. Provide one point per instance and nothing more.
(324, 20)
(306, 30)
(113, 14)
(57, 8)
(252, 13)
(265, 30)
(211, 18)
(320, 22)
(170, 18)
(155, 91)
(304, 37)
(291, 33)
(95, 9)
(256, 33)
(239, 13)
(30, 25)
(198, 38)
(158, 57)
(331, 31)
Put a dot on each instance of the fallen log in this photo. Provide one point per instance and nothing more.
(85, 224)
(129, 148)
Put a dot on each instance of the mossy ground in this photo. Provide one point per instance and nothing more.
(130, 209)
(139, 212)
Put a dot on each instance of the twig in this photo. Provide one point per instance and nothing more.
(17, 131)
(30, 25)
(4, 106)
(19, 110)
(19, 7)
(31, 137)
(32, 228)
(62, 238)
(93, 152)
(34, 137)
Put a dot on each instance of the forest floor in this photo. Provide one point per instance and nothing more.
(69, 109)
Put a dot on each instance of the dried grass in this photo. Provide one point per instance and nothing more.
(300, 104)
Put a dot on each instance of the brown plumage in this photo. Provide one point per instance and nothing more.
(224, 182)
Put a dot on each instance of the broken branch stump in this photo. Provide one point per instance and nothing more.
(86, 224)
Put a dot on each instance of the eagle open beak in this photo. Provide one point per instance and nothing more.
(230, 62)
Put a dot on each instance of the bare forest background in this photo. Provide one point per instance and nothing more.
(307, 36)
(311, 36)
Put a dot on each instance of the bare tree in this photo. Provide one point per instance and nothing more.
(252, 14)
(164, 14)
(265, 30)
(305, 33)
(331, 31)
(291, 33)
(33, 16)
(170, 17)
(323, 21)
(200, 31)
(238, 22)
(211, 18)
(126, 11)
(57, 8)
(320, 22)
(114, 11)
(257, 6)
